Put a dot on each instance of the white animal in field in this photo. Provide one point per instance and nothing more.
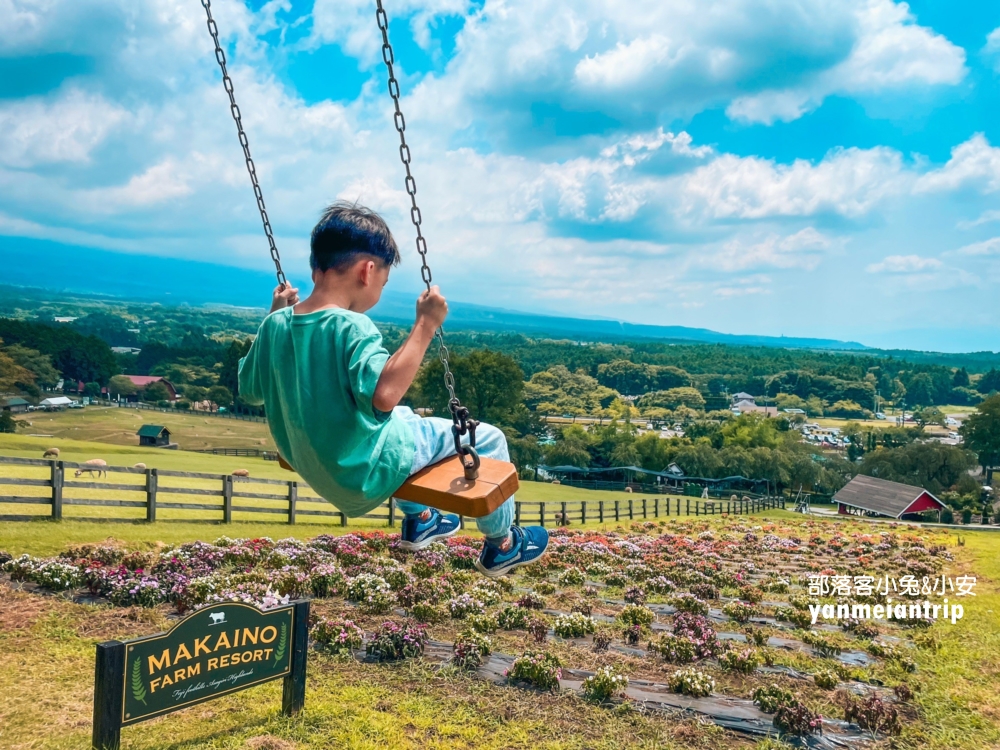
(140, 466)
(241, 475)
(51, 453)
(628, 489)
(95, 464)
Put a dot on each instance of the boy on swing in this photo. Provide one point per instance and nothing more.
(332, 391)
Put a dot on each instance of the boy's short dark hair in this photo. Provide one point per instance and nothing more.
(346, 232)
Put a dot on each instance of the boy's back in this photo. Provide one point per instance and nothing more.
(317, 373)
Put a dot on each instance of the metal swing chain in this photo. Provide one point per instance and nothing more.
(234, 110)
(462, 423)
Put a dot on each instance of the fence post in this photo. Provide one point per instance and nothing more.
(227, 498)
(565, 520)
(151, 484)
(687, 505)
(517, 512)
(600, 511)
(392, 512)
(617, 511)
(293, 498)
(583, 512)
(293, 694)
(109, 688)
(631, 510)
(656, 507)
(461, 521)
(343, 518)
(58, 472)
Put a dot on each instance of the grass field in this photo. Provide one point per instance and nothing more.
(117, 426)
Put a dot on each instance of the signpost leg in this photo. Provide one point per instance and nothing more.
(293, 697)
(109, 681)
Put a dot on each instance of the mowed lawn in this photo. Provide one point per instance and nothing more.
(133, 487)
(117, 426)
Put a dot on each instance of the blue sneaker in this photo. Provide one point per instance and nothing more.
(419, 534)
(529, 545)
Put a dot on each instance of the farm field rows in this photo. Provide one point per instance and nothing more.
(699, 566)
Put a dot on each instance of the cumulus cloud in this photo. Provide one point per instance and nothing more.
(890, 52)
(848, 182)
(904, 264)
(973, 162)
(992, 48)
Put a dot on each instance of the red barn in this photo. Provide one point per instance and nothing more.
(141, 381)
(869, 496)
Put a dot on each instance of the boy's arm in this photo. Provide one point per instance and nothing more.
(249, 372)
(401, 368)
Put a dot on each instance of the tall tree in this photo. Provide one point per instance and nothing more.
(489, 383)
(981, 432)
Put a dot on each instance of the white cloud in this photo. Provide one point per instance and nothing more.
(992, 48)
(849, 182)
(803, 249)
(904, 264)
(985, 217)
(974, 161)
(890, 52)
(40, 131)
(986, 247)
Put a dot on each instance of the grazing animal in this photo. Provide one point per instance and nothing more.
(628, 489)
(241, 475)
(140, 466)
(95, 464)
(556, 481)
(51, 453)
(562, 519)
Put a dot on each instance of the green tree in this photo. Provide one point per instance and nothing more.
(981, 432)
(570, 449)
(7, 422)
(558, 390)
(934, 466)
(40, 365)
(229, 371)
(92, 389)
(120, 385)
(13, 377)
(220, 396)
(989, 382)
(920, 391)
(156, 391)
(489, 383)
(960, 379)
(672, 398)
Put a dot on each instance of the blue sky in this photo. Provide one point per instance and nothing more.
(799, 167)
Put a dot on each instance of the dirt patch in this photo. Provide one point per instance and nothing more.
(269, 742)
(20, 610)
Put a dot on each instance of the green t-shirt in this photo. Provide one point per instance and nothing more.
(316, 375)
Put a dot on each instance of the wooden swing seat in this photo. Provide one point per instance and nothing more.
(443, 486)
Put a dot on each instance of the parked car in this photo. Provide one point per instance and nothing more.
(75, 405)
(879, 415)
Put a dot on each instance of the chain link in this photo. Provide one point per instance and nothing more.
(462, 423)
(234, 110)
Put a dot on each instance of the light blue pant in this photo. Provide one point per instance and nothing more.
(435, 442)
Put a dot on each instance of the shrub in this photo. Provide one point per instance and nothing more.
(739, 611)
(602, 640)
(393, 641)
(797, 719)
(691, 682)
(689, 603)
(751, 594)
(427, 563)
(826, 679)
(326, 580)
(660, 585)
(538, 629)
(705, 591)
(571, 577)
(606, 683)
(371, 592)
(545, 588)
(697, 629)
(860, 628)
(824, 646)
(904, 692)
(947, 516)
(770, 698)
(573, 625)
(635, 595)
(744, 662)
(632, 634)
(871, 714)
(482, 623)
(538, 669)
(339, 636)
(634, 614)
(799, 618)
(512, 618)
(616, 579)
(426, 612)
(488, 592)
(531, 601)
(471, 649)
(464, 605)
(55, 576)
(674, 649)
(755, 636)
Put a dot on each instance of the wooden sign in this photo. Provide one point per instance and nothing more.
(212, 652)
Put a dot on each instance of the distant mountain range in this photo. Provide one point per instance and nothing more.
(50, 265)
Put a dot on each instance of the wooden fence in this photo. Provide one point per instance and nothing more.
(52, 488)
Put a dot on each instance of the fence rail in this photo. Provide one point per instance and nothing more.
(149, 407)
(252, 452)
(151, 490)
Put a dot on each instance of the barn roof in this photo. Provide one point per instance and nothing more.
(14, 401)
(881, 496)
(151, 430)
